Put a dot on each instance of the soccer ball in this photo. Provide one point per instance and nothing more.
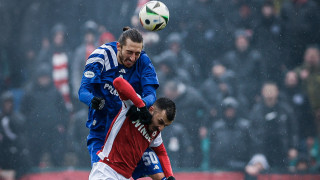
(154, 16)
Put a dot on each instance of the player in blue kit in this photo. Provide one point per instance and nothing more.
(126, 59)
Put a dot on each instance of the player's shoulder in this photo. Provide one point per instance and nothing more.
(144, 59)
(111, 46)
(102, 50)
(144, 56)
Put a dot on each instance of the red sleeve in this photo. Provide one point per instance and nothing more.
(164, 159)
(126, 91)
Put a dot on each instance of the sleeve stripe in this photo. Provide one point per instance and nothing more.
(111, 55)
(95, 59)
(96, 55)
(114, 56)
(104, 55)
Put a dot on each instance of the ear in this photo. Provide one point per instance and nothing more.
(151, 109)
(118, 46)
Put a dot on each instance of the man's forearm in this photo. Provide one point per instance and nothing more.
(149, 95)
(164, 159)
(84, 93)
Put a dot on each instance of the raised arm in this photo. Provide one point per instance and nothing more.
(126, 92)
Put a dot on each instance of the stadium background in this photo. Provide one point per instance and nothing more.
(213, 55)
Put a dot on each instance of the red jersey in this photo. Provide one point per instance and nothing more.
(126, 142)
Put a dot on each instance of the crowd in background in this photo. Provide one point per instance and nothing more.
(245, 75)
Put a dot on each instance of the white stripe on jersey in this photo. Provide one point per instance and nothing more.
(95, 59)
(157, 141)
(115, 129)
(113, 54)
(105, 62)
(98, 59)
(99, 51)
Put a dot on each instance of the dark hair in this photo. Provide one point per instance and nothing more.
(168, 105)
(131, 33)
(313, 46)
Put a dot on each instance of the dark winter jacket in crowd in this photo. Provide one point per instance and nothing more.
(231, 143)
(47, 120)
(248, 72)
(274, 131)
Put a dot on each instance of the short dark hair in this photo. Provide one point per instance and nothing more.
(168, 105)
(131, 33)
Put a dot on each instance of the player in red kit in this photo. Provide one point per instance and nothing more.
(128, 137)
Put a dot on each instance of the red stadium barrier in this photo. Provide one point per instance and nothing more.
(62, 175)
(83, 175)
(288, 177)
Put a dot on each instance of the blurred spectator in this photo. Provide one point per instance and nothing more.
(118, 14)
(77, 134)
(14, 154)
(297, 98)
(300, 23)
(244, 17)
(5, 17)
(205, 38)
(313, 151)
(82, 52)
(106, 37)
(302, 165)
(218, 86)
(309, 74)
(46, 118)
(5, 71)
(58, 56)
(178, 145)
(193, 115)
(256, 165)
(274, 128)
(266, 38)
(309, 151)
(246, 63)
(180, 57)
(230, 138)
(29, 62)
(167, 70)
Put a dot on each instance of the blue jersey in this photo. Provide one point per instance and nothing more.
(101, 69)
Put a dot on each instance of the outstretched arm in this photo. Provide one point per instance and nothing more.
(164, 159)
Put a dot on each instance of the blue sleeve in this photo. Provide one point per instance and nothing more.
(85, 94)
(149, 94)
(91, 75)
(148, 72)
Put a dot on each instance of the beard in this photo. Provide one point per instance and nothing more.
(121, 58)
(124, 61)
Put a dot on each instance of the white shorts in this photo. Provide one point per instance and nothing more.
(101, 171)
